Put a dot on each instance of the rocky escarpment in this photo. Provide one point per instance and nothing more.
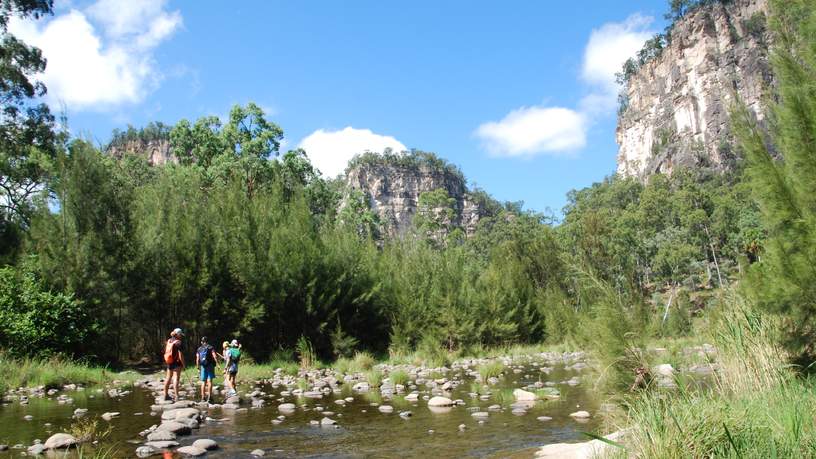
(156, 152)
(675, 108)
(392, 186)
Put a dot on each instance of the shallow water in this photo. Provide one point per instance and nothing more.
(363, 430)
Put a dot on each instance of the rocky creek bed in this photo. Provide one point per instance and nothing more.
(443, 412)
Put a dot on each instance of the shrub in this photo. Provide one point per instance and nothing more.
(35, 321)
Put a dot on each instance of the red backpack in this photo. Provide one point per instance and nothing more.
(170, 351)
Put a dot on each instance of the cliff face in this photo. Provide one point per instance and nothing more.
(157, 152)
(393, 192)
(677, 105)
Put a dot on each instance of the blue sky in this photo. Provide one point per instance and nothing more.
(518, 94)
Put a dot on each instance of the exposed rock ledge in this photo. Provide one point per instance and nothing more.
(586, 450)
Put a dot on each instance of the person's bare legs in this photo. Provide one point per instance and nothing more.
(176, 383)
(167, 382)
(209, 385)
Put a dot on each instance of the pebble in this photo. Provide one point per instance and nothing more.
(544, 418)
(386, 409)
(580, 414)
(257, 452)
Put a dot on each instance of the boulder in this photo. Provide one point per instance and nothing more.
(162, 444)
(180, 413)
(386, 409)
(524, 396)
(327, 422)
(35, 449)
(60, 440)
(205, 443)
(287, 407)
(161, 435)
(440, 401)
(192, 451)
(175, 427)
(146, 451)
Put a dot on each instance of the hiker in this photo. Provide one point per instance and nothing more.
(231, 365)
(206, 359)
(175, 362)
(225, 346)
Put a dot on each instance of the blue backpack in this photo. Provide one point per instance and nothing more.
(204, 355)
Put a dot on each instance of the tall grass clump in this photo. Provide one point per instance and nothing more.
(305, 352)
(374, 378)
(756, 407)
(399, 376)
(491, 369)
(362, 361)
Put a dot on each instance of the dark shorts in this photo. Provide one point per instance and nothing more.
(207, 372)
(174, 366)
(233, 369)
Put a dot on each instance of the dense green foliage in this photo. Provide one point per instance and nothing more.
(785, 279)
(37, 321)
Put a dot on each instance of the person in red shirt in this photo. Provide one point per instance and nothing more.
(175, 363)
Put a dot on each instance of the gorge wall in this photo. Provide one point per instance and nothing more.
(156, 151)
(675, 108)
(393, 187)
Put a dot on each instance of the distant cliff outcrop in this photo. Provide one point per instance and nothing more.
(151, 143)
(675, 107)
(393, 184)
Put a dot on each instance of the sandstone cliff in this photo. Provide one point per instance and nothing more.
(675, 107)
(393, 184)
(157, 152)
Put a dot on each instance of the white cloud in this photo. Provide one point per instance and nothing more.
(531, 130)
(103, 56)
(607, 49)
(528, 131)
(331, 151)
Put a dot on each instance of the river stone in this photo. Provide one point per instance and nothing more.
(257, 452)
(193, 451)
(175, 427)
(544, 418)
(146, 451)
(161, 435)
(327, 422)
(286, 407)
(480, 414)
(28, 417)
(162, 444)
(180, 413)
(580, 414)
(524, 396)
(233, 400)
(60, 440)
(519, 411)
(36, 449)
(440, 401)
(79, 412)
(110, 415)
(3, 447)
(386, 409)
(205, 443)
(412, 397)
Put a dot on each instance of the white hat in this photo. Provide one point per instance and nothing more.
(178, 332)
(234, 342)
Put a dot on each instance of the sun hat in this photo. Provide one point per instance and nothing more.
(234, 342)
(178, 332)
